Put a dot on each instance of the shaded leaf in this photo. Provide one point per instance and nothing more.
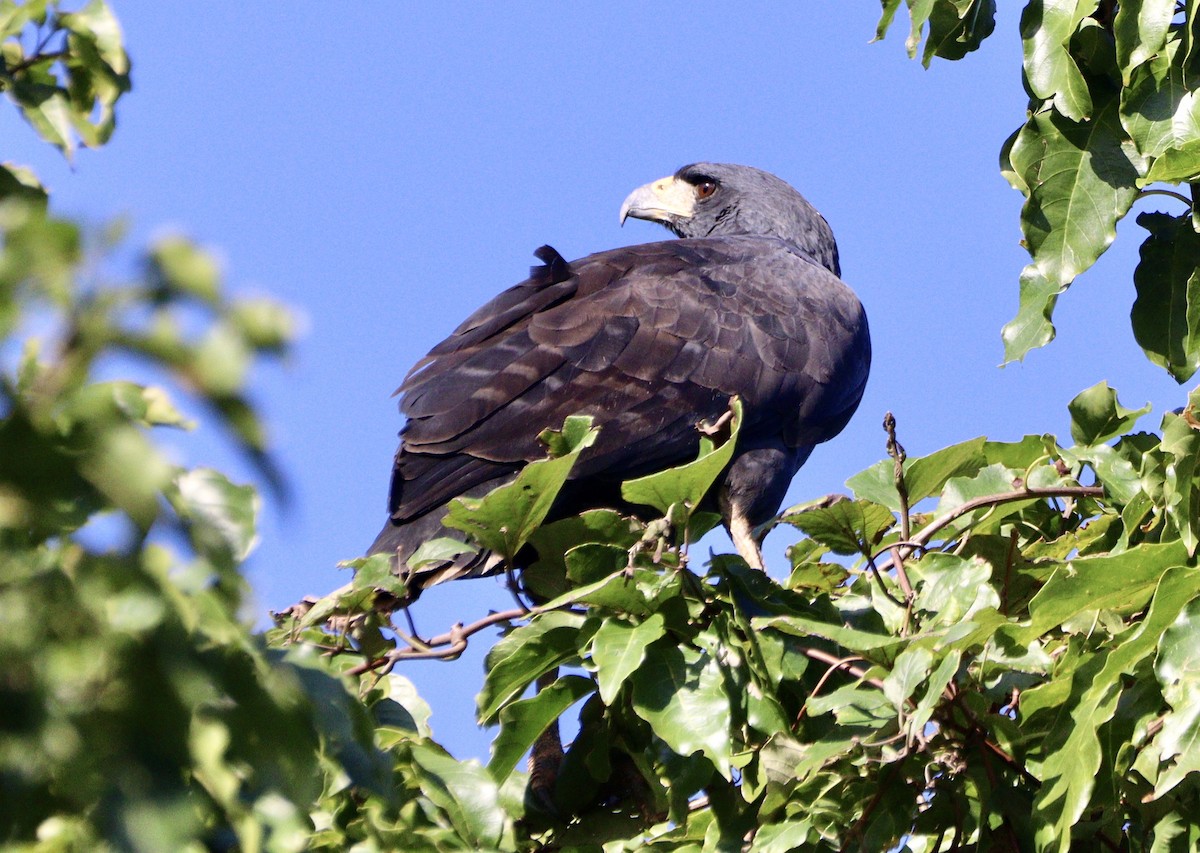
(1166, 314)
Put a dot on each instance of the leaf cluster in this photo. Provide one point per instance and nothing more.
(1007, 667)
(1112, 118)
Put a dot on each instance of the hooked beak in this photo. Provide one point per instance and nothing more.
(666, 200)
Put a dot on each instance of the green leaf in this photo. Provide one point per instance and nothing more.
(1031, 328)
(784, 837)
(49, 113)
(1050, 69)
(375, 573)
(942, 675)
(19, 182)
(990, 480)
(851, 638)
(1120, 582)
(1097, 416)
(221, 361)
(524, 654)
(1175, 165)
(911, 667)
(265, 324)
(1074, 750)
(440, 550)
(923, 476)
(957, 27)
(1177, 667)
(886, 18)
(1166, 314)
(1159, 108)
(1140, 30)
(522, 722)
(503, 520)
(680, 692)
(686, 485)
(952, 589)
(1080, 179)
(465, 791)
(402, 710)
(846, 527)
(221, 517)
(618, 650)
(1181, 486)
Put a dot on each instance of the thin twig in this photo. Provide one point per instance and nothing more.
(843, 663)
(448, 645)
(882, 586)
(835, 665)
(896, 450)
(1171, 193)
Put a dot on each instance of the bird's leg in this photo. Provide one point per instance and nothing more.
(742, 533)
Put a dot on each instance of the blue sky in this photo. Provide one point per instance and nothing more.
(385, 169)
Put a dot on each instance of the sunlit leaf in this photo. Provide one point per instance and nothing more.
(1069, 772)
(846, 527)
(680, 692)
(619, 648)
(504, 519)
(1097, 416)
(523, 655)
(1080, 178)
(1051, 71)
(1178, 669)
(686, 485)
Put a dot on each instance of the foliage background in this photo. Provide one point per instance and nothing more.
(385, 170)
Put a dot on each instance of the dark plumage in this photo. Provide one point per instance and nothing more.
(649, 340)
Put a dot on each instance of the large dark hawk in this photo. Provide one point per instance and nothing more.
(650, 341)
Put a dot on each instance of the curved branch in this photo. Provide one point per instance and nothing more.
(922, 538)
(1170, 193)
(443, 646)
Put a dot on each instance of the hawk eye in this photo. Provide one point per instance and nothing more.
(705, 188)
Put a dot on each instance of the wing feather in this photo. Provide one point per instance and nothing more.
(647, 340)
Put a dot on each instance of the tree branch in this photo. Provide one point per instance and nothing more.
(926, 534)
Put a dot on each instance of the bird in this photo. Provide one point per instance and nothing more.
(651, 341)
